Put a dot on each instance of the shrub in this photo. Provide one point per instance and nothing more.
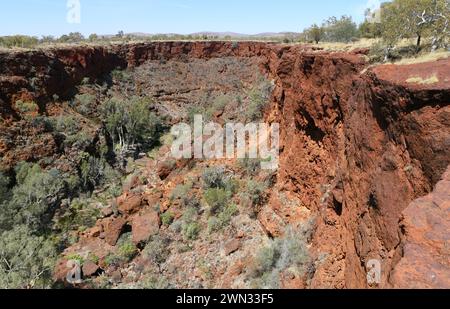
(26, 107)
(152, 282)
(167, 218)
(75, 257)
(254, 193)
(26, 260)
(191, 230)
(258, 99)
(130, 121)
(121, 75)
(85, 104)
(196, 110)
(181, 190)
(67, 124)
(218, 105)
(222, 220)
(250, 166)
(80, 214)
(92, 170)
(126, 249)
(33, 198)
(290, 252)
(113, 259)
(214, 177)
(157, 250)
(217, 199)
(340, 30)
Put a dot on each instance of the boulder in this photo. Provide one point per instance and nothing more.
(144, 226)
(113, 231)
(90, 269)
(232, 246)
(129, 204)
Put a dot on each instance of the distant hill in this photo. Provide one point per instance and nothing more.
(216, 34)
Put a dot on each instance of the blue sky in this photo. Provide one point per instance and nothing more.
(48, 17)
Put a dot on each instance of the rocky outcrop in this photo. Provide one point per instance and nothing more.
(425, 246)
(357, 146)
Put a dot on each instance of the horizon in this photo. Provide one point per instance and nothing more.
(184, 17)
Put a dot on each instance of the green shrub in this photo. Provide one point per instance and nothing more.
(85, 104)
(181, 191)
(130, 121)
(254, 193)
(259, 97)
(67, 124)
(340, 30)
(289, 252)
(218, 105)
(214, 177)
(196, 110)
(113, 259)
(191, 230)
(216, 199)
(167, 218)
(152, 282)
(223, 219)
(26, 260)
(126, 249)
(33, 198)
(157, 250)
(96, 171)
(93, 258)
(26, 107)
(121, 75)
(75, 257)
(80, 214)
(250, 166)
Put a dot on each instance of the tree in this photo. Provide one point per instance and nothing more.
(73, 37)
(340, 30)
(47, 39)
(93, 37)
(32, 198)
(416, 18)
(130, 121)
(315, 33)
(21, 41)
(371, 27)
(26, 260)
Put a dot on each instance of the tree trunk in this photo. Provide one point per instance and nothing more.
(419, 40)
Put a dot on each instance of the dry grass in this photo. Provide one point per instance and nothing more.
(332, 46)
(419, 80)
(428, 57)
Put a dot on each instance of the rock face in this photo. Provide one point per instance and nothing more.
(356, 149)
(425, 245)
(358, 145)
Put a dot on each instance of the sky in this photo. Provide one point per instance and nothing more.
(54, 17)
